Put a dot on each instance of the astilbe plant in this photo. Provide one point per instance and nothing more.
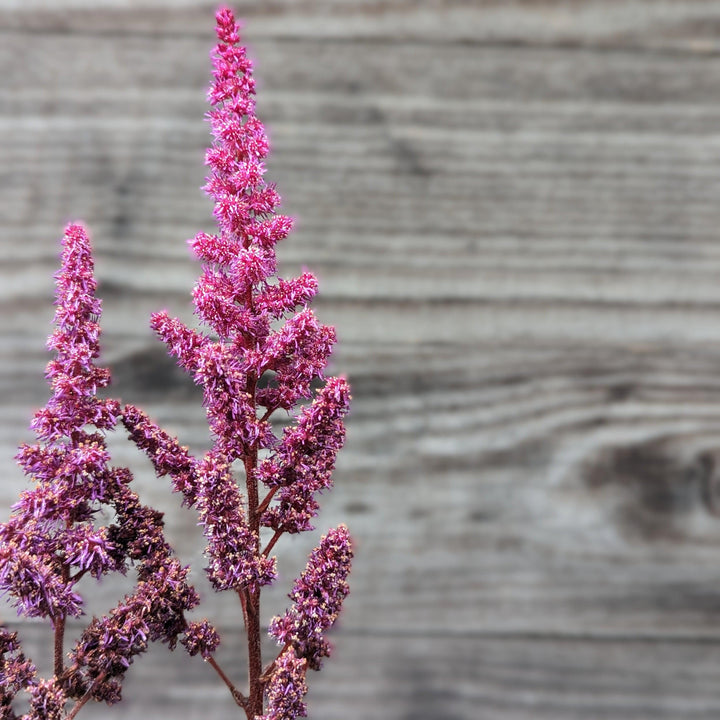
(258, 350)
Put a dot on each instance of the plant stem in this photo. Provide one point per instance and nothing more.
(251, 606)
(78, 705)
(252, 624)
(59, 623)
(266, 502)
(272, 542)
(238, 697)
(58, 654)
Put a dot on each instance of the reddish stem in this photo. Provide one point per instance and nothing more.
(251, 605)
(238, 697)
(79, 704)
(59, 626)
(268, 413)
(266, 502)
(252, 625)
(272, 542)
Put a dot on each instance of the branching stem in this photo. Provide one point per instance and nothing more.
(79, 704)
(238, 697)
(266, 502)
(272, 542)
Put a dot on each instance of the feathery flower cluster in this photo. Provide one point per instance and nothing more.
(303, 463)
(53, 539)
(259, 349)
(52, 530)
(317, 595)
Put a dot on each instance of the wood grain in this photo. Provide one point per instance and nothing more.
(453, 676)
(513, 211)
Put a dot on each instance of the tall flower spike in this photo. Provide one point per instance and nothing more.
(73, 376)
(51, 528)
(242, 363)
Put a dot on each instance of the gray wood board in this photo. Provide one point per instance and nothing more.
(450, 677)
(512, 208)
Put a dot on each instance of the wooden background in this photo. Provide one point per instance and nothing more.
(514, 210)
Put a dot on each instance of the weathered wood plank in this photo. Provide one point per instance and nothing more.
(558, 491)
(448, 207)
(462, 677)
(688, 26)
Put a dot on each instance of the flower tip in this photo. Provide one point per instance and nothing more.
(227, 29)
(341, 533)
(76, 233)
(75, 226)
(159, 315)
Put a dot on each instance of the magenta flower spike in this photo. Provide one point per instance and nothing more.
(53, 538)
(259, 349)
(318, 595)
(51, 530)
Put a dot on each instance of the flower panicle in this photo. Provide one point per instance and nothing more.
(259, 345)
(72, 373)
(317, 597)
(53, 538)
(303, 464)
(51, 530)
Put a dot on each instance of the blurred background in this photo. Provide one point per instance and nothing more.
(514, 210)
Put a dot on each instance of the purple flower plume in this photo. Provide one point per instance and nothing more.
(53, 538)
(73, 376)
(259, 349)
(303, 463)
(318, 595)
(51, 531)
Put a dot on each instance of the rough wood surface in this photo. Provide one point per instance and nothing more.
(513, 209)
